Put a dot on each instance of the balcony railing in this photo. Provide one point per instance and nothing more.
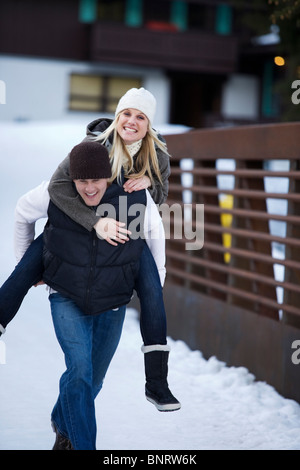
(186, 51)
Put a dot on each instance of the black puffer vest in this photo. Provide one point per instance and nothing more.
(79, 265)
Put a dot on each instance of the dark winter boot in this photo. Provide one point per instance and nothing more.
(156, 371)
(61, 442)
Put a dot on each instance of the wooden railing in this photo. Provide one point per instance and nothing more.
(257, 267)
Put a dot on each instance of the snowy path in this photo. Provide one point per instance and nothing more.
(222, 408)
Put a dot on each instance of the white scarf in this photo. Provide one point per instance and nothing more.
(134, 148)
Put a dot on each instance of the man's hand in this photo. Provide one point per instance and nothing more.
(137, 184)
(41, 283)
(112, 231)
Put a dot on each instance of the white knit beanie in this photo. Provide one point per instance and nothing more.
(138, 98)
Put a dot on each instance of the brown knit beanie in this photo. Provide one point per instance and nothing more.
(89, 160)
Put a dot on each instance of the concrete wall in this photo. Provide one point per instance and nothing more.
(38, 88)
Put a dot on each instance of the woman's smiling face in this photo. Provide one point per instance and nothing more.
(132, 125)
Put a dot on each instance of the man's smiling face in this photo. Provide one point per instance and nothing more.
(91, 190)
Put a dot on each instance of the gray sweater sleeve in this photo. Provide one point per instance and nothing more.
(158, 191)
(64, 195)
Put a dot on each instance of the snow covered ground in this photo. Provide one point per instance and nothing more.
(222, 407)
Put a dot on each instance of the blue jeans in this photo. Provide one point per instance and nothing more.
(29, 271)
(153, 322)
(89, 343)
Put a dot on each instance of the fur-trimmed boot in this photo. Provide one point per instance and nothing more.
(156, 370)
(61, 442)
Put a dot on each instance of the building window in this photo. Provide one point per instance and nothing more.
(97, 93)
(201, 17)
(156, 11)
(111, 10)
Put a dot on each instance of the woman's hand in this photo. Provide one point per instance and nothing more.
(112, 231)
(137, 184)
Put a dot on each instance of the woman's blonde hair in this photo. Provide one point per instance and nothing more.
(146, 161)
